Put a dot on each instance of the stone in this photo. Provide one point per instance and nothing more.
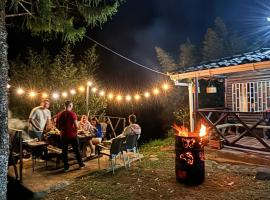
(263, 173)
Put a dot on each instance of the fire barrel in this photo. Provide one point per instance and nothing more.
(189, 160)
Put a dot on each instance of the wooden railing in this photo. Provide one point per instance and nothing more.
(216, 117)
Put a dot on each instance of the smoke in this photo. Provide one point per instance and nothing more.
(16, 123)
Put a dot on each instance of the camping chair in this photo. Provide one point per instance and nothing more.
(112, 152)
(130, 145)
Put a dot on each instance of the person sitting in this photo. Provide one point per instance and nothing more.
(98, 133)
(132, 128)
(85, 125)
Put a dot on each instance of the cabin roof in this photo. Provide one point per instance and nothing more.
(245, 58)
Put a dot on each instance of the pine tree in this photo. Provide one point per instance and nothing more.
(188, 56)
(166, 61)
(213, 47)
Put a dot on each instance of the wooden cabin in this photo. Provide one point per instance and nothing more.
(247, 87)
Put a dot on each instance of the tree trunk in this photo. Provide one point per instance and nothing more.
(3, 103)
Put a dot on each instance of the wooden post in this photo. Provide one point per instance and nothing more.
(191, 107)
(196, 104)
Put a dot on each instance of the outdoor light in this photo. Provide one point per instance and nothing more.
(156, 91)
(119, 98)
(147, 94)
(137, 97)
(72, 91)
(101, 93)
(20, 91)
(268, 19)
(32, 94)
(89, 83)
(8, 86)
(128, 97)
(110, 96)
(44, 95)
(94, 90)
(55, 95)
(81, 89)
(64, 94)
(165, 86)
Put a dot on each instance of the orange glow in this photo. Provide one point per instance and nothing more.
(202, 131)
(181, 130)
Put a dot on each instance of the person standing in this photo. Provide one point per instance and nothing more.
(39, 120)
(67, 124)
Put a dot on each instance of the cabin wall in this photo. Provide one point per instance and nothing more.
(256, 75)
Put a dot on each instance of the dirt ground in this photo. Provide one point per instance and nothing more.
(154, 178)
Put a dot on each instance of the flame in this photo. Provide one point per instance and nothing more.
(181, 130)
(202, 131)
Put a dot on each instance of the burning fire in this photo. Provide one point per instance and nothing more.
(202, 131)
(184, 132)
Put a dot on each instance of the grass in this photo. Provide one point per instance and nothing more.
(154, 178)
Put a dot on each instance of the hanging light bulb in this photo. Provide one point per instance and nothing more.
(94, 90)
(128, 98)
(72, 91)
(89, 83)
(146, 94)
(119, 97)
(81, 89)
(156, 91)
(20, 91)
(110, 96)
(102, 93)
(32, 94)
(8, 86)
(137, 97)
(64, 94)
(165, 86)
(55, 95)
(44, 95)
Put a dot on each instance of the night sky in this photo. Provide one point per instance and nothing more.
(140, 25)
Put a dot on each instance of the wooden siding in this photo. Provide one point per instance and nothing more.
(257, 75)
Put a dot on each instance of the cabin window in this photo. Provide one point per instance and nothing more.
(251, 96)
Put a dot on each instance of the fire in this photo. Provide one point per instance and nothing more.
(181, 130)
(202, 131)
(184, 132)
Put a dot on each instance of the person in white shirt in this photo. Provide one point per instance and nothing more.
(132, 128)
(39, 119)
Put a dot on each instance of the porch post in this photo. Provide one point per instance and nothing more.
(196, 104)
(191, 107)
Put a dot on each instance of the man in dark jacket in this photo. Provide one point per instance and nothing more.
(67, 123)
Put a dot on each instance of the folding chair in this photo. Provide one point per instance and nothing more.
(112, 152)
(130, 145)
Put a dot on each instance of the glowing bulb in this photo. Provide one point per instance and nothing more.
(44, 95)
(20, 91)
(268, 19)
(64, 94)
(81, 89)
(137, 97)
(55, 95)
(32, 94)
(146, 94)
(72, 91)
(89, 83)
(119, 98)
(8, 86)
(102, 93)
(128, 97)
(156, 91)
(110, 96)
(94, 90)
(165, 86)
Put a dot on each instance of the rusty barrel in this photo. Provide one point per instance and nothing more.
(189, 160)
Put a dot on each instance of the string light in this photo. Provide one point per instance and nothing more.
(8, 86)
(32, 94)
(146, 94)
(20, 91)
(94, 89)
(81, 89)
(55, 95)
(89, 83)
(156, 91)
(119, 97)
(102, 93)
(128, 98)
(44, 95)
(137, 97)
(110, 96)
(165, 86)
(64, 94)
(72, 91)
